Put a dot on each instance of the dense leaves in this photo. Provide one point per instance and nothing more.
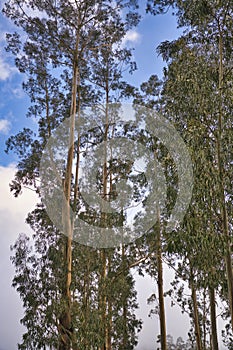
(73, 56)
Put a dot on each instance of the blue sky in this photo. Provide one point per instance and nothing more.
(14, 102)
(13, 107)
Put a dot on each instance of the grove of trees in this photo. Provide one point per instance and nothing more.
(72, 53)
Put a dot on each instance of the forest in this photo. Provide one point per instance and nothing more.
(128, 178)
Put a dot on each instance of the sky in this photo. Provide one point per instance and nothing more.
(13, 107)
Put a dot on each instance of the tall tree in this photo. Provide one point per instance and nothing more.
(210, 27)
(55, 55)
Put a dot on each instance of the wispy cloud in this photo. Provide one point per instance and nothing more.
(2, 36)
(132, 36)
(5, 126)
(6, 70)
(12, 218)
(18, 92)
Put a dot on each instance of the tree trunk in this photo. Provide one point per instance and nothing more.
(85, 343)
(195, 313)
(65, 318)
(109, 335)
(163, 336)
(103, 253)
(214, 334)
(124, 336)
(204, 319)
(103, 301)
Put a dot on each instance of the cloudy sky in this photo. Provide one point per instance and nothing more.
(13, 107)
(12, 216)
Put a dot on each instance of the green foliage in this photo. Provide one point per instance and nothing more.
(46, 52)
(194, 95)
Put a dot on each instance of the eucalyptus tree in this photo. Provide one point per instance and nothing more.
(209, 24)
(54, 54)
(45, 35)
(108, 62)
(149, 95)
(189, 86)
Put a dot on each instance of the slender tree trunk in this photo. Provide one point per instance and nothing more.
(204, 320)
(65, 318)
(225, 224)
(195, 313)
(86, 306)
(76, 191)
(214, 334)
(103, 301)
(109, 335)
(162, 317)
(110, 300)
(103, 253)
(124, 337)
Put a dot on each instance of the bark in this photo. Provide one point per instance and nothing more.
(214, 334)
(86, 306)
(162, 317)
(109, 333)
(195, 313)
(103, 253)
(66, 331)
(204, 320)
(103, 301)
(124, 338)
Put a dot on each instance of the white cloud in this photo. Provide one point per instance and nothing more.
(3, 36)
(34, 12)
(5, 126)
(20, 205)
(145, 286)
(6, 70)
(13, 212)
(18, 92)
(132, 36)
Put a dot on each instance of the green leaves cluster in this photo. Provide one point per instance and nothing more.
(196, 96)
